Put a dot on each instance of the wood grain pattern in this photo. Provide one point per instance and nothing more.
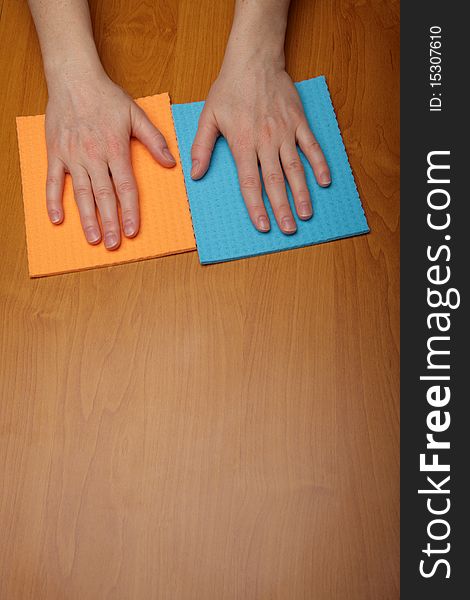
(176, 432)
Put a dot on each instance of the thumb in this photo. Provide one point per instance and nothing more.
(146, 132)
(204, 141)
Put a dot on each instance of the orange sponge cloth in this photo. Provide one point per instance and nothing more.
(165, 226)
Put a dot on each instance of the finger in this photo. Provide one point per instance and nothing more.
(126, 189)
(146, 132)
(295, 174)
(55, 189)
(250, 187)
(106, 201)
(311, 148)
(275, 185)
(86, 204)
(204, 141)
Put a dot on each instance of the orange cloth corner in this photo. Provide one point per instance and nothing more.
(165, 226)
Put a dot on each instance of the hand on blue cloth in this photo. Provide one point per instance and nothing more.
(259, 112)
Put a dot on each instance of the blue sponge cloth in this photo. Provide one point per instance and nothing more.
(221, 223)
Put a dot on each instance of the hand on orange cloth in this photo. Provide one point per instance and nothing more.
(89, 123)
(165, 221)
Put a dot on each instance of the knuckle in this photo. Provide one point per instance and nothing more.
(240, 142)
(108, 223)
(283, 210)
(294, 165)
(256, 207)
(103, 193)
(126, 186)
(302, 194)
(198, 150)
(274, 178)
(127, 213)
(157, 139)
(52, 181)
(92, 148)
(205, 127)
(312, 144)
(269, 126)
(88, 219)
(249, 182)
(114, 147)
(81, 191)
(266, 132)
(88, 224)
(296, 111)
(54, 144)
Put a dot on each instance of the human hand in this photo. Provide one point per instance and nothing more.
(256, 107)
(89, 123)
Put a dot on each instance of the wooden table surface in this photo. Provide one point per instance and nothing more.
(178, 432)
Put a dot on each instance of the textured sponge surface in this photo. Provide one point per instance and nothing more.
(165, 219)
(221, 223)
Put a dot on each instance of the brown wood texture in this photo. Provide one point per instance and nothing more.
(178, 432)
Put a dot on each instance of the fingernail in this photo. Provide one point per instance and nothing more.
(92, 235)
(129, 228)
(325, 179)
(288, 225)
(263, 223)
(110, 240)
(194, 168)
(168, 155)
(305, 210)
(55, 216)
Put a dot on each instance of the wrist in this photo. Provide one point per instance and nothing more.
(244, 49)
(73, 72)
(243, 53)
(257, 37)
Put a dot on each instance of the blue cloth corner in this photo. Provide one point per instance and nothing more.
(221, 223)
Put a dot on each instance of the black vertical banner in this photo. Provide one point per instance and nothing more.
(435, 356)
